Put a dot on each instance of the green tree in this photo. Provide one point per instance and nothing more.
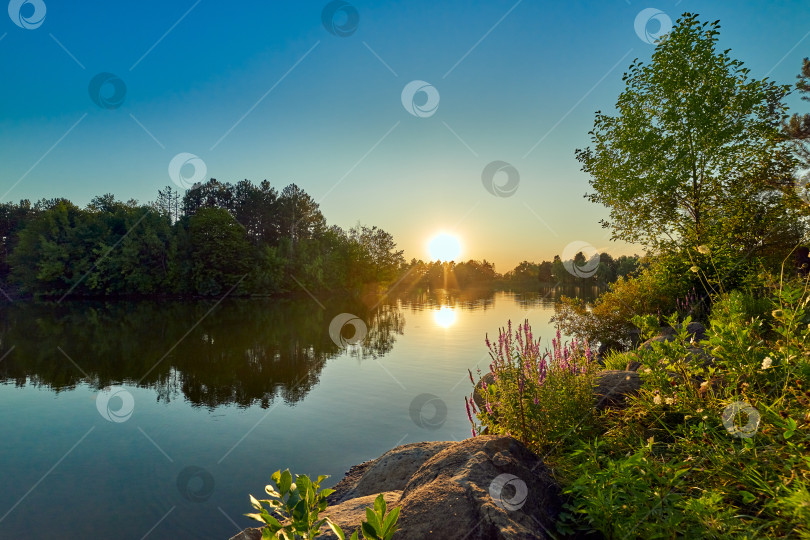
(695, 148)
(220, 252)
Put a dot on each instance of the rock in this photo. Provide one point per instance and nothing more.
(612, 386)
(249, 534)
(487, 487)
(349, 514)
(478, 395)
(694, 329)
(389, 472)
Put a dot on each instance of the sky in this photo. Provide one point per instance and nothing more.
(419, 117)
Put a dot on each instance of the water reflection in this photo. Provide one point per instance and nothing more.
(445, 317)
(242, 352)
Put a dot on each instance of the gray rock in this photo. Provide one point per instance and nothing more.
(695, 330)
(487, 487)
(612, 387)
(463, 491)
(389, 472)
(478, 395)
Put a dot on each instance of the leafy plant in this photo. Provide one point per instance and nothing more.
(298, 505)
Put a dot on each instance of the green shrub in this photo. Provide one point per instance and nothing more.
(716, 444)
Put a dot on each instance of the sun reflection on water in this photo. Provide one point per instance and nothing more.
(445, 316)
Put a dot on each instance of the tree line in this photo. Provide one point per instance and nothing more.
(215, 237)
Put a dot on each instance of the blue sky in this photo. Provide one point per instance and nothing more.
(261, 90)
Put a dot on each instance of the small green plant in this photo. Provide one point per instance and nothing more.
(298, 506)
(378, 526)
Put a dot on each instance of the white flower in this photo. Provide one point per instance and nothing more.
(703, 385)
(669, 400)
(657, 399)
(646, 370)
(767, 362)
(703, 249)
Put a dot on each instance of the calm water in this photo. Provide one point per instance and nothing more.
(206, 401)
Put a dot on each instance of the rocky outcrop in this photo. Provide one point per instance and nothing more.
(487, 487)
(389, 472)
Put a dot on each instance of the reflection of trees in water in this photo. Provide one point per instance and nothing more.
(243, 352)
(471, 298)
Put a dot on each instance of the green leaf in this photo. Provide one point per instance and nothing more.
(284, 482)
(747, 497)
(389, 526)
(373, 520)
(379, 505)
(326, 492)
(355, 536)
(368, 531)
(336, 529)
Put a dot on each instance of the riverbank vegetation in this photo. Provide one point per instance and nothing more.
(702, 166)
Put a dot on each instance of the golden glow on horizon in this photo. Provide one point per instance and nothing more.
(445, 316)
(444, 247)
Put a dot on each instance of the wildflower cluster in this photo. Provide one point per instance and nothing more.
(535, 396)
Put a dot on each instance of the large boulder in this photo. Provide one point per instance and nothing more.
(389, 472)
(487, 487)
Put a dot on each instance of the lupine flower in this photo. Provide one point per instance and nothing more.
(471, 377)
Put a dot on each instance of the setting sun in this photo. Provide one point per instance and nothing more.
(444, 247)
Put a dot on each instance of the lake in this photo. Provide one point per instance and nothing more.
(157, 419)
